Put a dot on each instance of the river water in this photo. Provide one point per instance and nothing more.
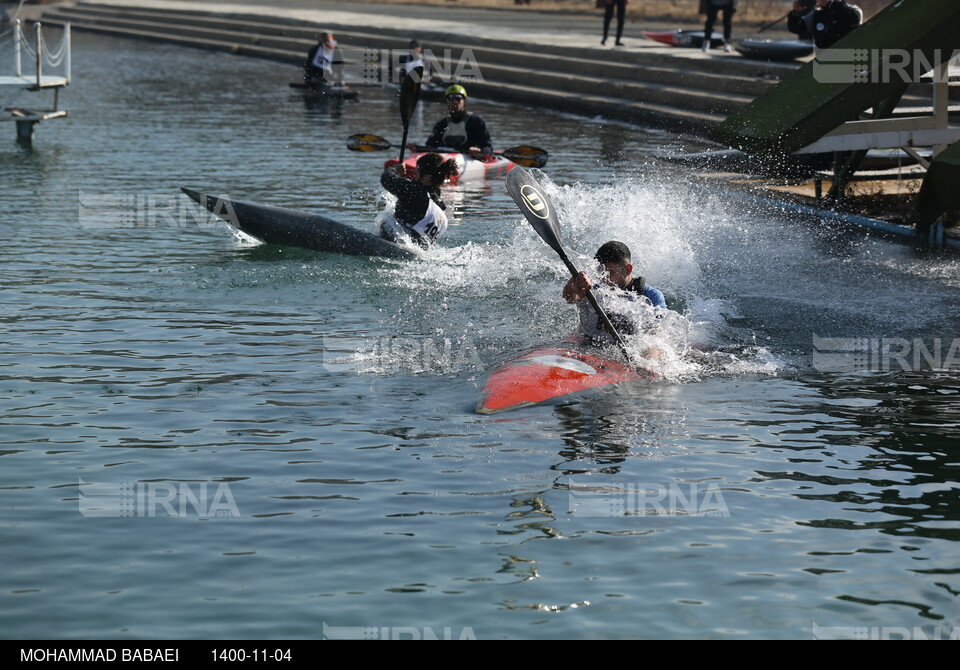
(206, 438)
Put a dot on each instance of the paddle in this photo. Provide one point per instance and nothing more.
(409, 92)
(539, 211)
(524, 155)
(772, 24)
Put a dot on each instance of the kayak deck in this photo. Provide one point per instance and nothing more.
(471, 169)
(552, 372)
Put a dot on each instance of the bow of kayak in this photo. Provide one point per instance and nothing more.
(278, 225)
(552, 372)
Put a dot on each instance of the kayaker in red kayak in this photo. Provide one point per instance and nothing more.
(616, 260)
(419, 216)
(461, 130)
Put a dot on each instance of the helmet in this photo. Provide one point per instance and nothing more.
(456, 89)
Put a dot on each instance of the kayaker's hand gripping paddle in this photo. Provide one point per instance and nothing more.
(539, 211)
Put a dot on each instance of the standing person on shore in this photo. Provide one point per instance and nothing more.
(323, 65)
(828, 22)
(460, 130)
(711, 8)
(608, 7)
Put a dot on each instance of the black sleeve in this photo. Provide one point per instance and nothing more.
(436, 137)
(412, 198)
(477, 134)
(800, 23)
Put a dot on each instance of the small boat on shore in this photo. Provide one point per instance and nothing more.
(292, 228)
(756, 48)
(552, 372)
(682, 38)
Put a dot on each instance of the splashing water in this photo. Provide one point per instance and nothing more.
(518, 282)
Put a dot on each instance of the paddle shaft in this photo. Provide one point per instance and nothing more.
(771, 25)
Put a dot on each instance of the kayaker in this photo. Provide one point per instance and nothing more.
(829, 22)
(419, 216)
(461, 130)
(616, 260)
(323, 65)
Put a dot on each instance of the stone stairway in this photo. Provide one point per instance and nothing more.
(668, 87)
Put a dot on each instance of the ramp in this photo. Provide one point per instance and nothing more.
(860, 72)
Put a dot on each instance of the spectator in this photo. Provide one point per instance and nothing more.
(828, 22)
(711, 8)
(608, 7)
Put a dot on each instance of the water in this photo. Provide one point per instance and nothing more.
(276, 443)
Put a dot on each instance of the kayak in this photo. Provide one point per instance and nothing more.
(551, 372)
(288, 227)
(774, 50)
(329, 92)
(682, 38)
(471, 169)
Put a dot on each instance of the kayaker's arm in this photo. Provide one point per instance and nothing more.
(577, 287)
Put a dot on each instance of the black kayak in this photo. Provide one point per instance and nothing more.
(329, 92)
(288, 227)
(756, 48)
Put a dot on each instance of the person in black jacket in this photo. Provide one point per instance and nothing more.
(461, 130)
(829, 22)
(419, 215)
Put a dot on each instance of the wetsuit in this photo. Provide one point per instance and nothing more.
(828, 24)
(419, 214)
(469, 130)
(637, 290)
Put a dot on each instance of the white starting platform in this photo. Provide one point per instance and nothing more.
(14, 86)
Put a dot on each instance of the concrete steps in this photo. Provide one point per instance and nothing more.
(655, 87)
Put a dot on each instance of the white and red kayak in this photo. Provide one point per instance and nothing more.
(547, 373)
(471, 169)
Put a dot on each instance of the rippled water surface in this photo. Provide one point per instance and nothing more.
(206, 438)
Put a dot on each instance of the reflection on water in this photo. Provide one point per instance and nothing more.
(755, 497)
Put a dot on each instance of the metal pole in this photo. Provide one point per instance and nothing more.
(66, 39)
(941, 100)
(16, 46)
(39, 56)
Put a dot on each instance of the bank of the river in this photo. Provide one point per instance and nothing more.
(553, 60)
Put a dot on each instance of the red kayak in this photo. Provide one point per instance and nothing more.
(552, 372)
(471, 169)
(682, 38)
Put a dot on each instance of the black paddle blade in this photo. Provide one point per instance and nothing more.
(409, 94)
(362, 142)
(526, 156)
(536, 207)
